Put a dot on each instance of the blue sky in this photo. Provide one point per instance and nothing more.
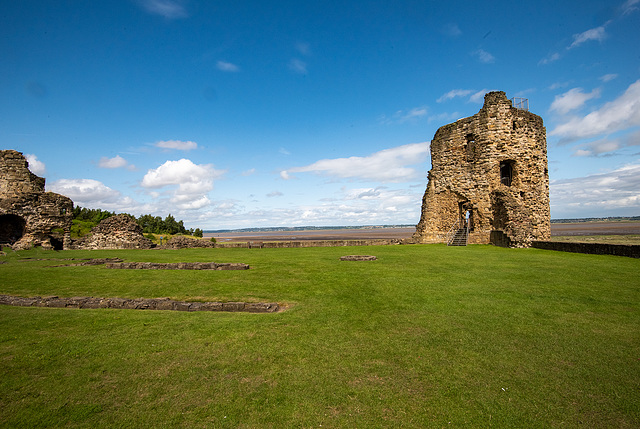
(286, 113)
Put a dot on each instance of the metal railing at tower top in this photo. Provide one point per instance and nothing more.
(520, 103)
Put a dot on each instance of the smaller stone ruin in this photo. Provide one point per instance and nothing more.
(29, 216)
(115, 232)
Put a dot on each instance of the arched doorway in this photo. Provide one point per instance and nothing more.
(11, 228)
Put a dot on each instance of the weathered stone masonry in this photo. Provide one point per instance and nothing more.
(29, 216)
(490, 168)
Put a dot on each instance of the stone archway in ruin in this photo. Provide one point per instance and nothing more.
(12, 228)
(465, 214)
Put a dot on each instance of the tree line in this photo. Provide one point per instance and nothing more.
(149, 224)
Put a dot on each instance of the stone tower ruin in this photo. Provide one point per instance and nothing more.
(489, 176)
(29, 216)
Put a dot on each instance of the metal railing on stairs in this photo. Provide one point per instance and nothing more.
(458, 234)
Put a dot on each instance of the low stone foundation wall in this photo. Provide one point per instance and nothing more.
(590, 248)
(138, 304)
(358, 258)
(176, 266)
(307, 243)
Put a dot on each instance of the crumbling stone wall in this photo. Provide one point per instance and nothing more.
(490, 171)
(115, 232)
(182, 242)
(29, 216)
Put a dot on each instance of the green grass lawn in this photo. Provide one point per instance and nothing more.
(426, 336)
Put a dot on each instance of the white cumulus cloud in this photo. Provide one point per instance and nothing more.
(389, 165)
(176, 144)
(619, 114)
(115, 162)
(189, 183)
(86, 192)
(36, 166)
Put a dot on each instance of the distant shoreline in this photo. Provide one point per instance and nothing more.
(577, 227)
(399, 226)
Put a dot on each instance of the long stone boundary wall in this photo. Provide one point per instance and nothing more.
(308, 243)
(138, 304)
(176, 266)
(632, 251)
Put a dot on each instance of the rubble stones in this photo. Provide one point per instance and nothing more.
(493, 167)
(139, 304)
(29, 216)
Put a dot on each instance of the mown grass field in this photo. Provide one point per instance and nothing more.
(426, 336)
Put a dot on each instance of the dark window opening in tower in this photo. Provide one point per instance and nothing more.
(470, 145)
(506, 173)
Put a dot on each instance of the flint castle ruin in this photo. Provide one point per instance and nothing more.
(488, 183)
(489, 180)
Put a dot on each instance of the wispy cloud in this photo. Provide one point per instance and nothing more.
(115, 162)
(484, 56)
(274, 194)
(227, 67)
(36, 166)
(550, 59)
(598, 194)
(609, 77)
(630, 6)
(606, 147)
(597, 34)
(303, 48)
(451, 30)
(597, 148)
(189, 183)
(170, 9)
(298, 66)
(176, 144)
(478, 97)
(619, 114)
(402, 116)
(455, 93)
(475, 96)
(389, 165)
(572, 100)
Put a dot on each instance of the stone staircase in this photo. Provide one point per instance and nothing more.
(459, 238)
